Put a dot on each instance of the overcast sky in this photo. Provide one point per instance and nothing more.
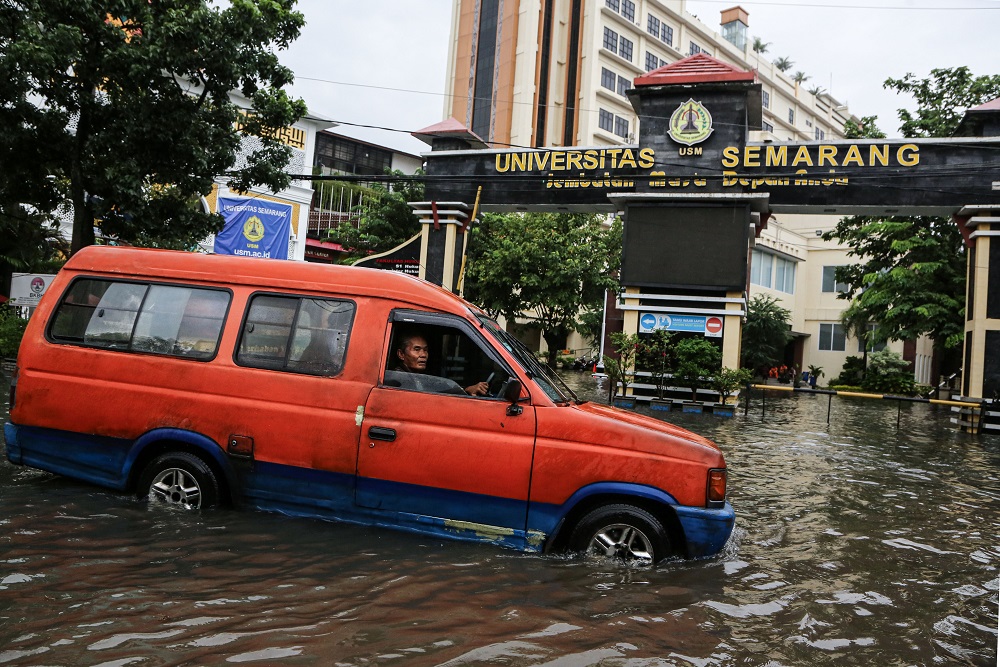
(382, 62)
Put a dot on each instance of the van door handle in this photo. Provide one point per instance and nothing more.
(380, 433)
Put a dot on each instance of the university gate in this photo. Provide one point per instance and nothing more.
(695, 193)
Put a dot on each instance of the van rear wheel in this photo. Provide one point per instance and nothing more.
(623, 532)
(179, 478)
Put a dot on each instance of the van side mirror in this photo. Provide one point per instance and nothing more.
(511, 392)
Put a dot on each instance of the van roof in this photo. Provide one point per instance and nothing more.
(268, 273)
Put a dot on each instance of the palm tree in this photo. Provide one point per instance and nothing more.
(759, 45)
(783, 63)
(800, 77)
(817, 90)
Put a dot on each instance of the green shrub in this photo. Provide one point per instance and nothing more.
(697, 362)
(889, 373)
(11, 331)
(852, 373)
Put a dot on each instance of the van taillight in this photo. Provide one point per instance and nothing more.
(716, 486)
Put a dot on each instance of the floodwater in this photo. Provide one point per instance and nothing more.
(855, 545)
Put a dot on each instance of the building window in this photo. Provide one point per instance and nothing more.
(809, 123)
(791, 115)
(623, 85)
(831, 337)
(606, 120)
(830, 283)
(628, 10)
(621, 127)
(653, 26)
(613, 4)
(820, 134)
(877, 347)
(652, 62)
(667, 34)
(768, 127)
(695, 49)
(784, 275)
(765, 99)
(351, 157)
(611, 40)
(625, 49)
(607, 78)
(761, 267)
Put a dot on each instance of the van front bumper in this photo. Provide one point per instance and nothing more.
(706, 531)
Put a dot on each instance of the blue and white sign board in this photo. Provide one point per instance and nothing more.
(254, 228)
(706, 325)
(27, 288)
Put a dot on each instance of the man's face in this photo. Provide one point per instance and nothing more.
(414, 355)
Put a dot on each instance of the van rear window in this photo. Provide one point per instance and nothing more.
(296, 334)
(174, 320)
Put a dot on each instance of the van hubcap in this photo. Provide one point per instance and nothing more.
(177, 487)
(623, 542)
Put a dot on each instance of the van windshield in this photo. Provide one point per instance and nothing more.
(544, 377)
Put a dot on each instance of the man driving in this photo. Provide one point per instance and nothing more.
(412, 353)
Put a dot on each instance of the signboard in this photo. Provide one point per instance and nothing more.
(27, 288)
(650, 322)
(254, 228)
(404, 258)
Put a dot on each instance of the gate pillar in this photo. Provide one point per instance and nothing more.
(442, 241)
(981, 367)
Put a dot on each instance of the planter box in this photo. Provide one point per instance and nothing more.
(696, 408)
(627, 403)
(660, 405)
(723, 410)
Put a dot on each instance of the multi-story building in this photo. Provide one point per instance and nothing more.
(334, 204)
(537, 74)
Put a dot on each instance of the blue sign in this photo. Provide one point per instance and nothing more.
(254, 228)
(650, 322)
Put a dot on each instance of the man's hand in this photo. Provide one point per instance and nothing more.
(478, 389)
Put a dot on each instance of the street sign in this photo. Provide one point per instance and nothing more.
(713, 327)
(650, 322)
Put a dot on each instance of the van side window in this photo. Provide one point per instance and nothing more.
(159, 319)
(449, 361)
(296, 334)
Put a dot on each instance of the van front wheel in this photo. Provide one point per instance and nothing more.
(179, 478)
(622, 532)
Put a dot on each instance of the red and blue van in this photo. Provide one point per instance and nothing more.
(201, 380)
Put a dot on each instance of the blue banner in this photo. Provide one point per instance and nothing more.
(650, 322)
(254, 228)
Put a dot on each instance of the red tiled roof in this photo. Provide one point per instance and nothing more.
(449, 128)
(989, 106)
(699, 68)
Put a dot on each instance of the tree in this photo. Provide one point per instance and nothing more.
(759, 45)
(800, 77)
(129, 116)
(783, 63)
(909, 278)
(386, 218)
(866, 129)
(697, 362)
(942, 99)
(910, 275)
(546, 266)
(765, 334)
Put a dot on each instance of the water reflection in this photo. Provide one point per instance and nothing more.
(855, 544)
